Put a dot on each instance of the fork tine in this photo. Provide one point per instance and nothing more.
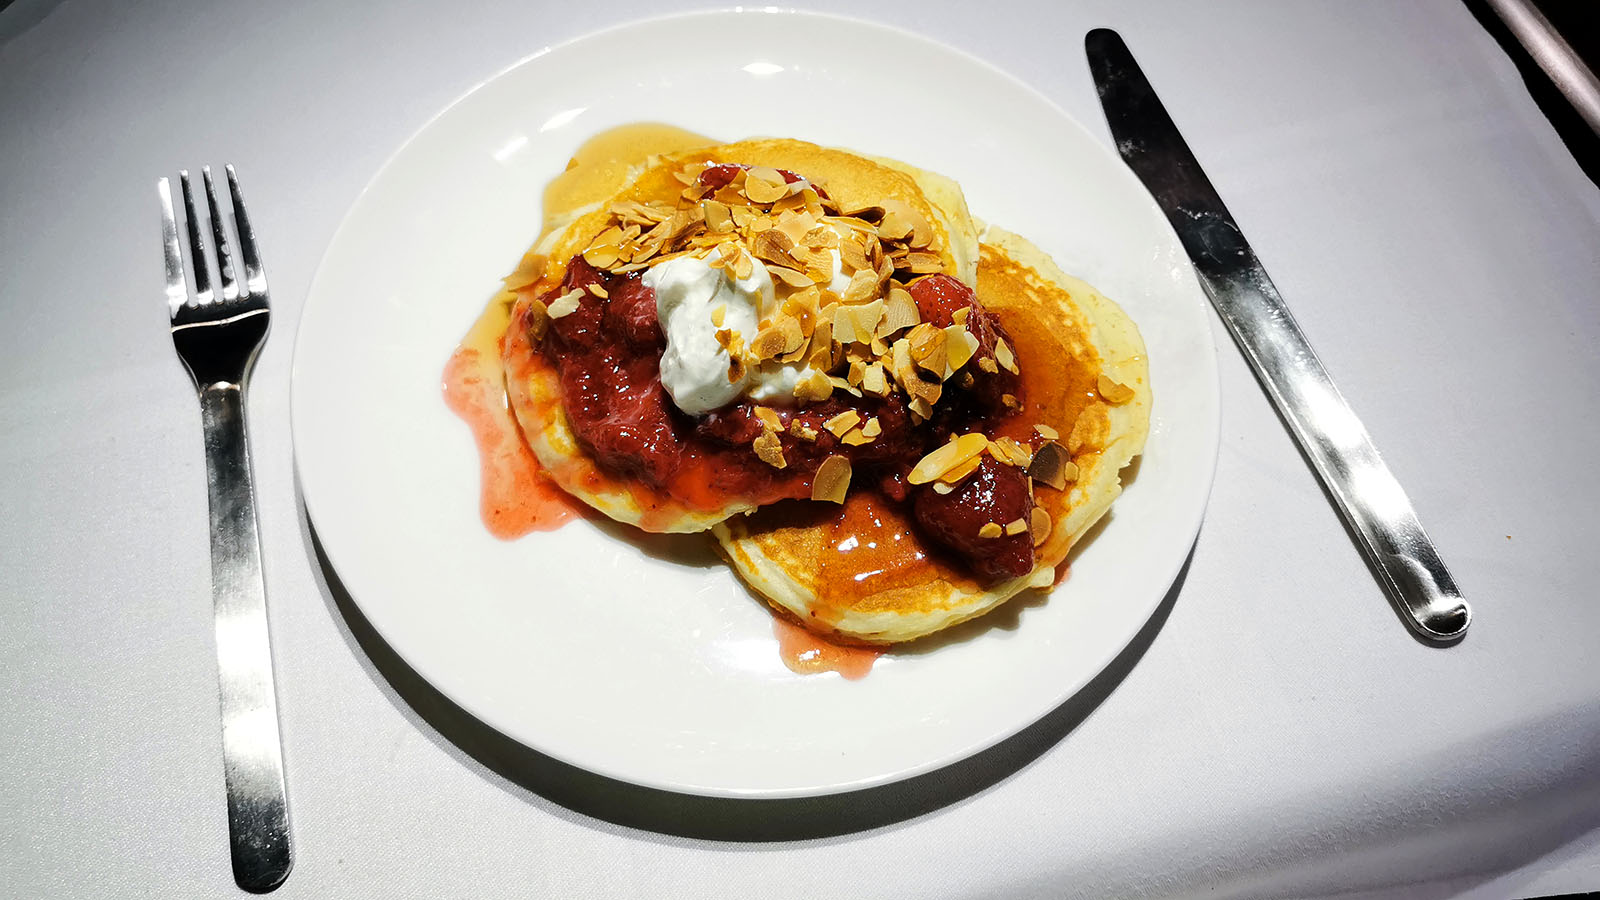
(197, 245)
(177, 290)
(219, 234)
(255, 279)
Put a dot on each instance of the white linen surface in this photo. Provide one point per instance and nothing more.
(1282, 735)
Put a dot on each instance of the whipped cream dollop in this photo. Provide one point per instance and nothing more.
(694, 366)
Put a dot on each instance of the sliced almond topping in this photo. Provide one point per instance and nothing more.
(855, 437)
(601, 256)
(923, 263)
(921, 410)
(853, 255)
(1042, 577)
(947, 457)
(767, 343)
(872, 429)
(832, 480)
(1046, 432)
(1069, 471)
(1112, 391)
(988, 364)
(787, 275)
(565, 305)
(813, 388)
(1010, 401)
(719, 314)
(990, 530)
(718, 218)
(764, 185)
(597, 290)
(1016, 526)
(1049, 465)
(770, 450)
(843, 422)
(959, 473)
(1040, 521)
(858, 370)
(873, 380)
(773, 246)
(863, 284)
(793, 337)
(801, 430)
(1003, 355)
(737, 368)
(960, 344)
(940, 487)
(899, 311)
(1010, 452)
(866, 318)
(769, 418)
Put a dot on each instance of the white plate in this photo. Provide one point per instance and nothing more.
(661, 673)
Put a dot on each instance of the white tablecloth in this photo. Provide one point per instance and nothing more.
(1279, 734)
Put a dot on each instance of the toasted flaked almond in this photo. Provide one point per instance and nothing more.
(897, 222)
(858, 370)
(610, 237)
(923, 263)
(718, 218)
(1046, 432)
(1010, 452)
(843, 323)
(839, 384)
(905, 374)
(597, 290)
(719, 314)
(921, 410)
(1113, 391)
(737, 368)
(1016, 526)
(801, 430)
(821, 238)
(1042, 577)
(990, 530)
(565, 305)
(921, 231)
(959, 473)
(601, 256)
(1004, 356)
(832, 480)
(940, 487)
(767, 343)
(760, 223)
(773, 246)
(843, 422)
(1039, 520)
(788, 276)
(855, 437)
(959, 344)
(743, 265)
(1010, 401)
(866, 317)
(873, 428)
(769, 418)
(770, 450)
(863, 284)
(813, 388)
(853, 255)
(947, 457)
(987, 364)
(873, 380)
(1049, 465)
(793, 337)
(763, 185)
(899, 311)
(1069, 471)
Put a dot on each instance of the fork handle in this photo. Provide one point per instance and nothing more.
(252, 755)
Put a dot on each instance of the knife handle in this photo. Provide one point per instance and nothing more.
(1366, 492)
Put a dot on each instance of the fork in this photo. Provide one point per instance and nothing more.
(217, 336)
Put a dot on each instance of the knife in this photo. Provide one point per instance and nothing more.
(1333, 439)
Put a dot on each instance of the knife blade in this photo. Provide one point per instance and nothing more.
(1328, 432)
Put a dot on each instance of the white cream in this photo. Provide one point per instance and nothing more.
(694, 366)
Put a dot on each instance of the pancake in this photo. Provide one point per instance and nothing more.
(533, 386)
(862, 573)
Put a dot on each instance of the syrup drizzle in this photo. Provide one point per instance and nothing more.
(808, 653)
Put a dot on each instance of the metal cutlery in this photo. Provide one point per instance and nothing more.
(1335, 441)
(217, 333)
